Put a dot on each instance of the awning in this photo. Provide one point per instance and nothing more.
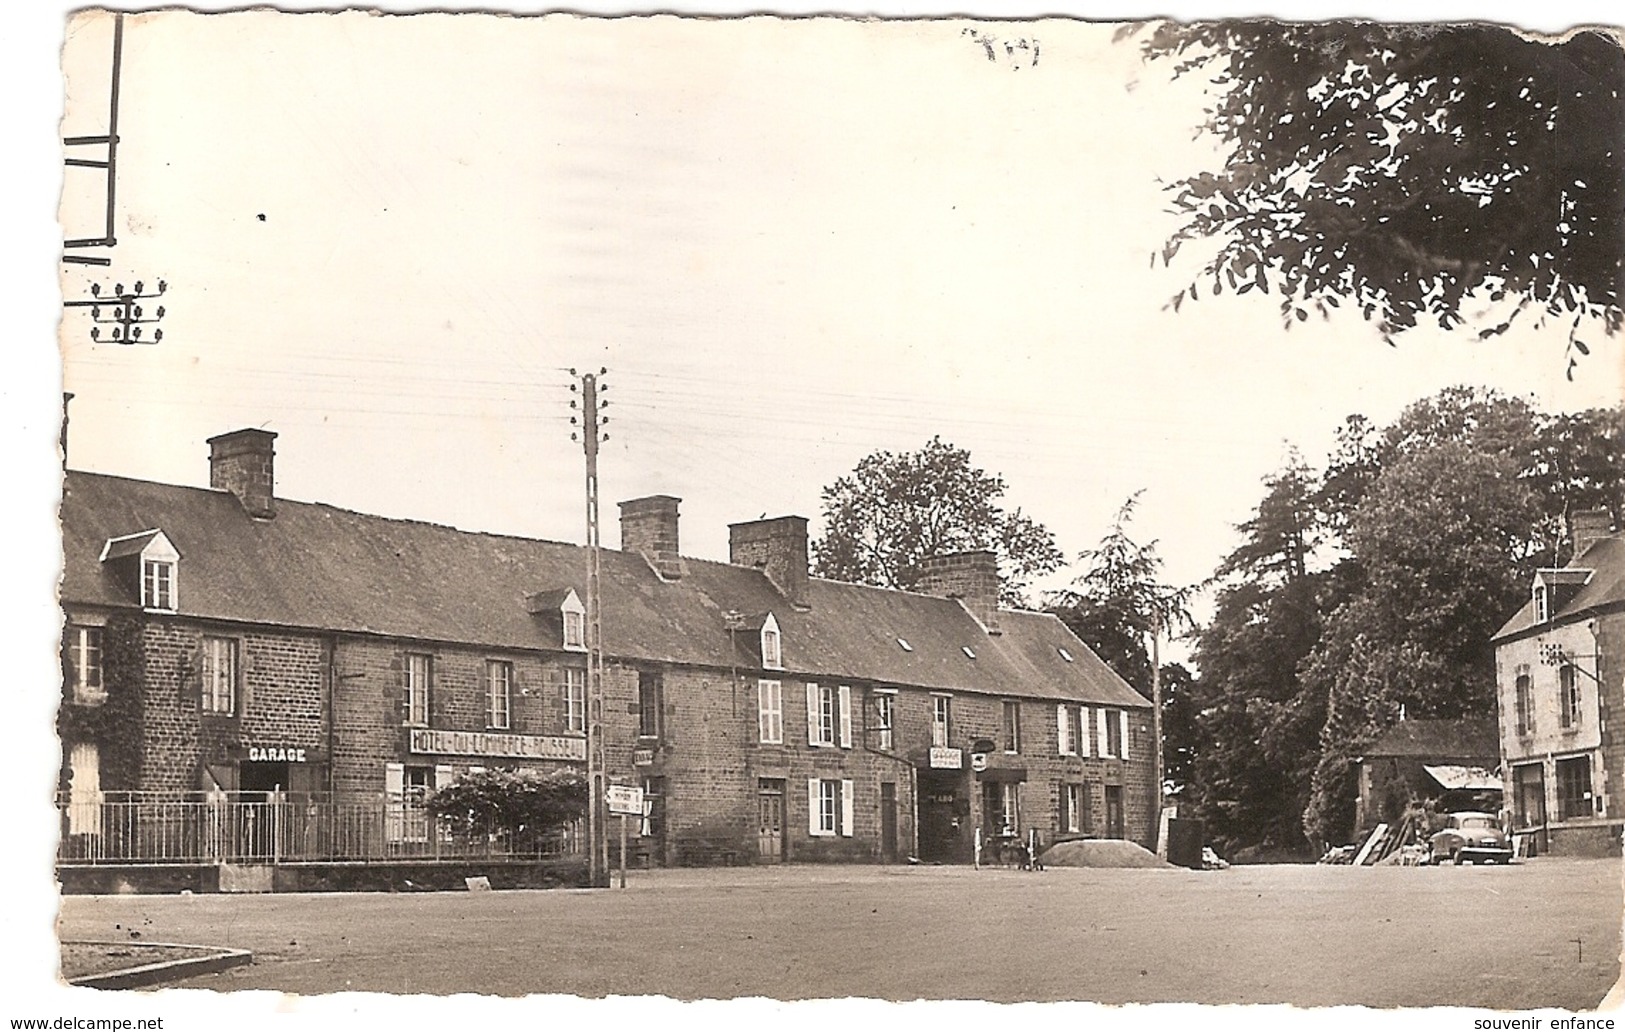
(1474, 779)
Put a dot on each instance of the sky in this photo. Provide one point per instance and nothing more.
(788, 243)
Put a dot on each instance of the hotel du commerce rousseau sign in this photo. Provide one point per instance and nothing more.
(485, 743)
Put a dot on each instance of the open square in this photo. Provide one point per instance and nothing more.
(1543, 933)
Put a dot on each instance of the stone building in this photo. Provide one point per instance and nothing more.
(1560, 666)
(229, 640)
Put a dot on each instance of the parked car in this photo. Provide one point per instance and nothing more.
(1470, 836)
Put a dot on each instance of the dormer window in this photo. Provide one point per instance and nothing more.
(147, 563)
(158, 585)
(1542, 604)
(575, 622)
(772, 647)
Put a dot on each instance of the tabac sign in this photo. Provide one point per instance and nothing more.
(484, 743)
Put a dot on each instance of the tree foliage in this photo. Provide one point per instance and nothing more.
(517, 800)
(894, 511)
(1408, 170)
(1376, 585)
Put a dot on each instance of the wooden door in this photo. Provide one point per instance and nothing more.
(888, 821)
(770, 821)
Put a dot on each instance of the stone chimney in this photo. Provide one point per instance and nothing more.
(778, 547)
(1587, 528)
(649, 528)
(971, 577)
(240, 462)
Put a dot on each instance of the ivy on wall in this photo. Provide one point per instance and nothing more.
(114, 724)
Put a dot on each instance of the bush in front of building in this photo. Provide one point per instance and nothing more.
(527, 804)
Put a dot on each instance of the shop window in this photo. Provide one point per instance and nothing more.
(1574, 787)
(1001, 807)
(498, 693)
(829, 807)
(419, 669)
(1528, 795)
(82, 664)
(219, 675)
(575, 700)
(1010, 729)
(649, 702)
(770, 712)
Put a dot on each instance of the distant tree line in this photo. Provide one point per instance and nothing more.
(1369, 583)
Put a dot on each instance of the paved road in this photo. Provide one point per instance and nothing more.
(1537, 934)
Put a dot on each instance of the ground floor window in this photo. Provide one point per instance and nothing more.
(1528, 795)
(1072, 808)
(1574, 787)
(654, 807)
(829, 807)
(1001, 807)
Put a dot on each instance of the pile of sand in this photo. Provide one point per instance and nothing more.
(1100, 853)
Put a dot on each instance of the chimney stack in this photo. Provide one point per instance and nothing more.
(777, 547)
(1587, 528)
(971, 577)
(649, 528)
(241, 462)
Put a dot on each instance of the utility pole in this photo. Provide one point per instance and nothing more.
(591, 424)
(1156, 730)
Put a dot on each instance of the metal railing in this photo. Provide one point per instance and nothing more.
(259, 829)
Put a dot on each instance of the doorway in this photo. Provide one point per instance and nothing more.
(944, 809)
(1114, 811)
(888, 821)
(770, 820)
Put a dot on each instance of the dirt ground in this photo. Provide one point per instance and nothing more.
(1544, 933)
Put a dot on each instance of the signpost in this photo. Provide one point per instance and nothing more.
(624, 801)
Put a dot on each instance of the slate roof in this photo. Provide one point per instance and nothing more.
(1469, 739)
(1606, 588)
(319, 567)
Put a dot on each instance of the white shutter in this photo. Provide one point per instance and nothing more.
(812, 713)
(762, 734)
(812, 806)
(1100, 726)
(443, 776)
(846, 807)
(1122, 723)
(1061, 729)
(394, 780)
(846, 717)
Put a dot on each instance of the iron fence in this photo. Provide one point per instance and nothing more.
(288, 829)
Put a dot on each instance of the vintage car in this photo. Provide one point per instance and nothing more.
(1470, 836)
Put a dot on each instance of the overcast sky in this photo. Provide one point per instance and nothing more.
(790, 244)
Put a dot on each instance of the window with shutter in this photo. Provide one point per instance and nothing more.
(1063, 732)
(847, 805)
(770, 712)
(1122, 734)
(846, 716)
(812, 714)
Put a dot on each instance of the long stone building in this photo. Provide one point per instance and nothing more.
(229, 640)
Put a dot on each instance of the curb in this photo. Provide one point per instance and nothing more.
(163, 971)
